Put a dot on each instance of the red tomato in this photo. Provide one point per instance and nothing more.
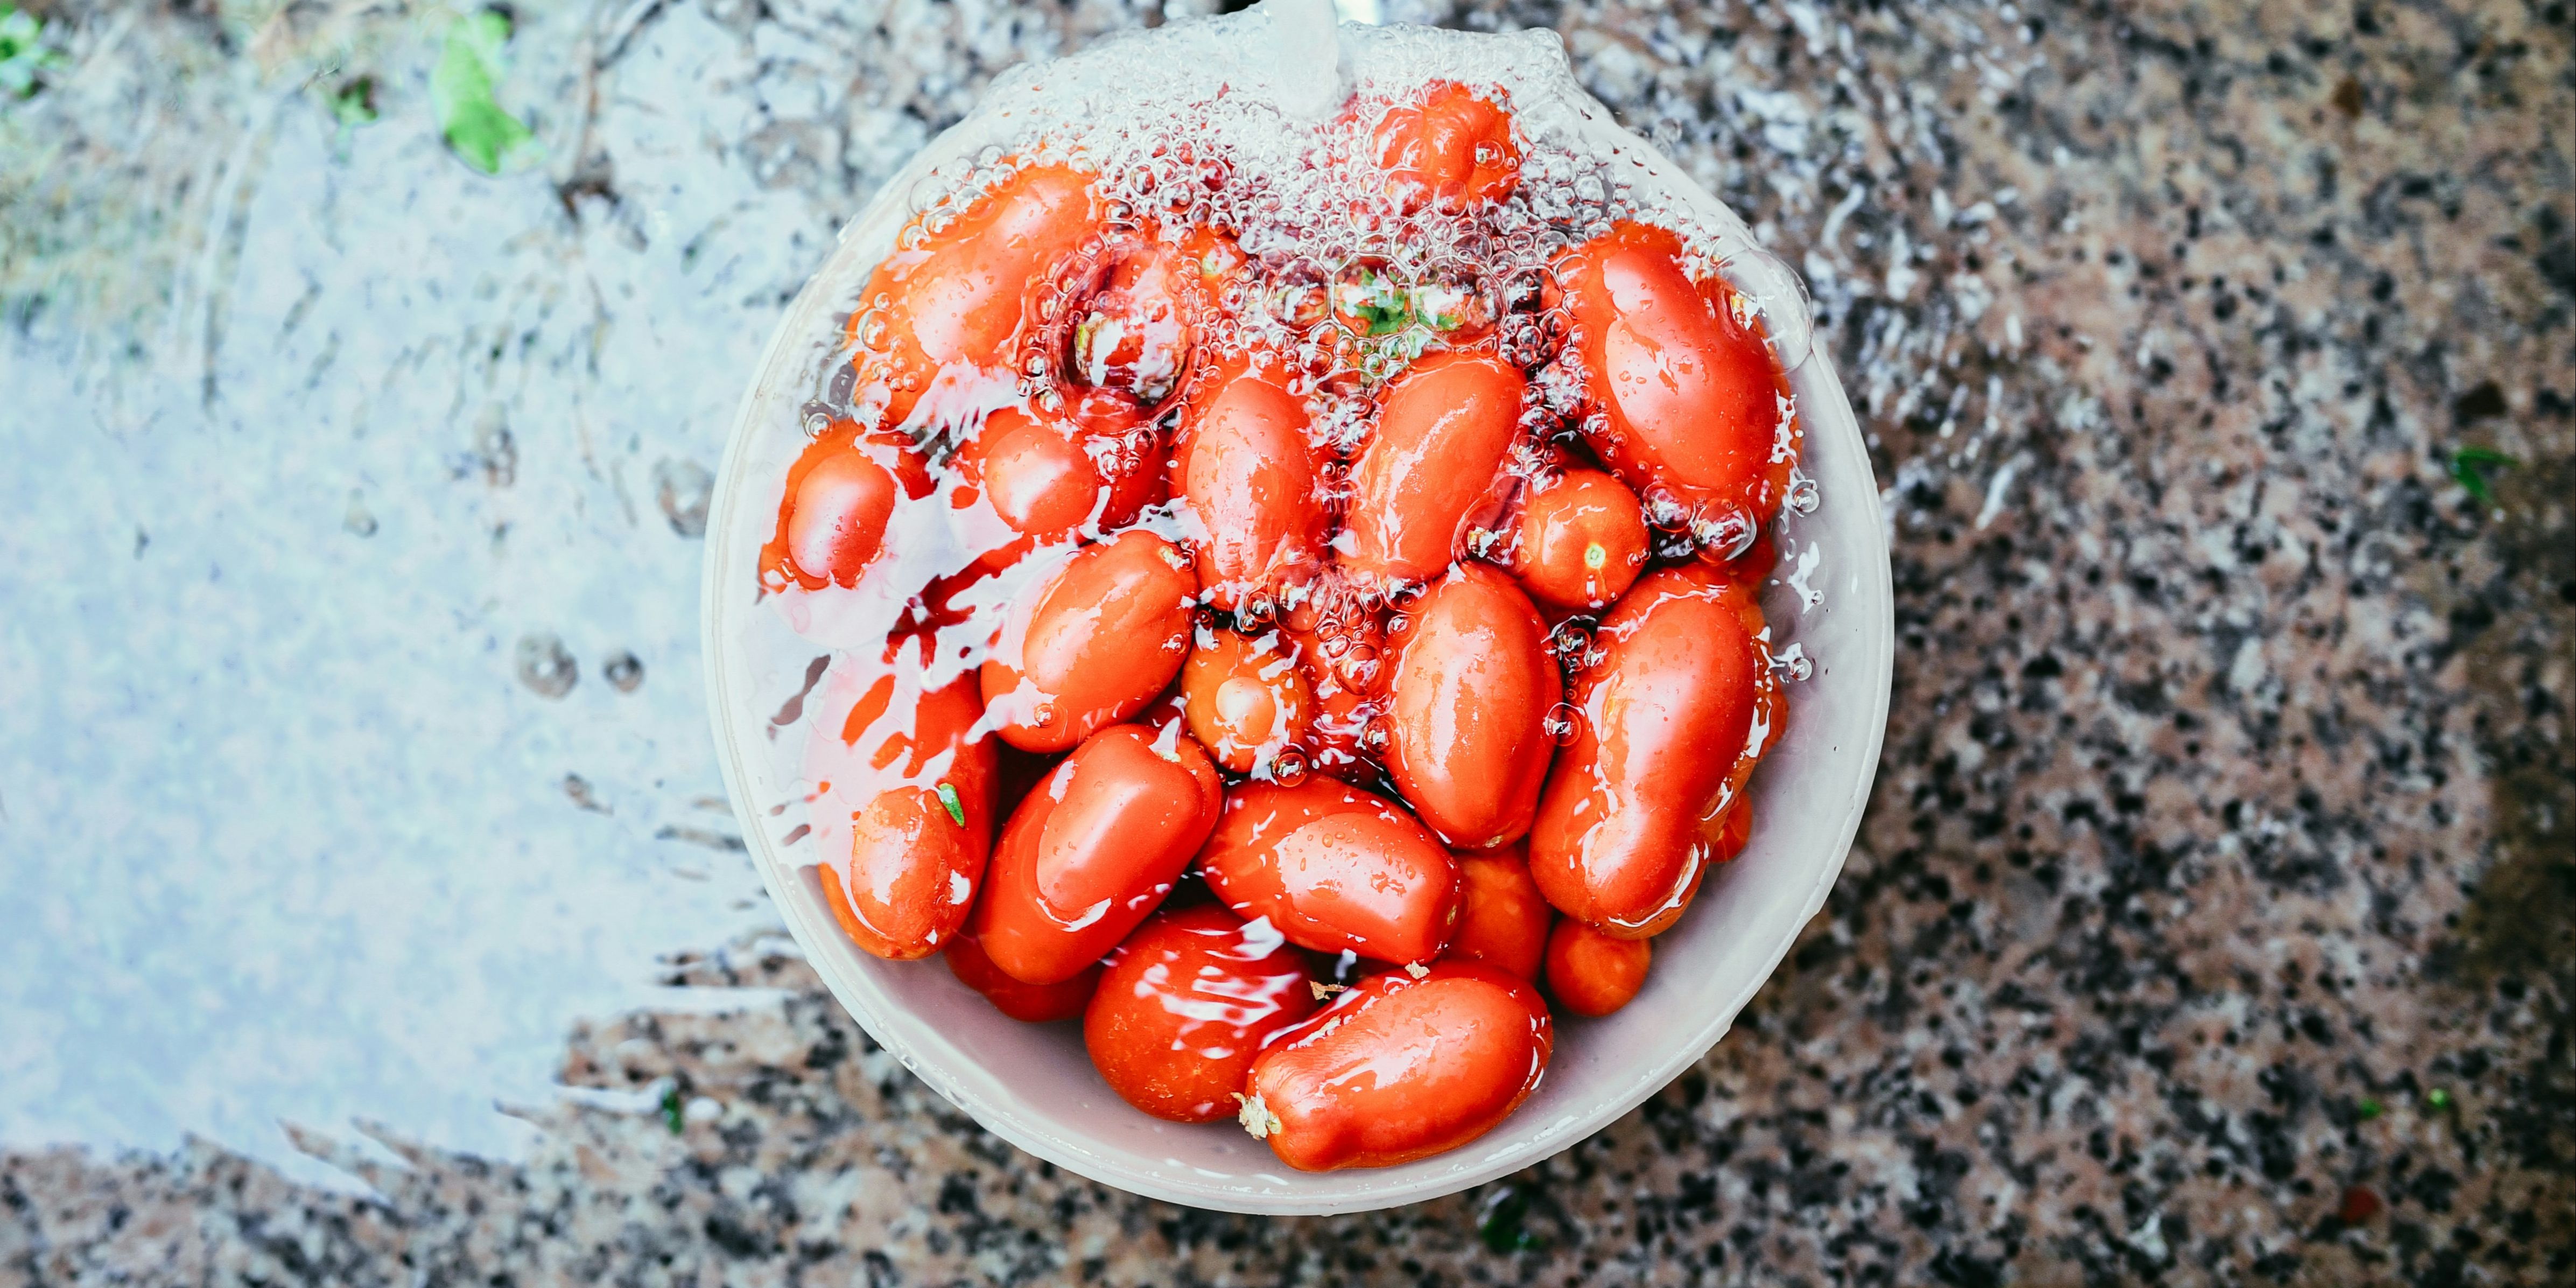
(1030, 1003)
(1590, 973)
(1673, 718)
(1134, 333)
(1467, 742)
(1334, 868)
(1583, 542)
(841, 492)
(947, 309)
(1091, 644)
(1028, 479)
(1247, 699)
(1400, 1068)
(902, 811)
(1502, 919)
(1247, 472)
(1187, 1002)
(1688, 401)
(1094, 849)
(1452, 149)
(1442, 433)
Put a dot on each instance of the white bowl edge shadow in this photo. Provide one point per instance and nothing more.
(1034, 1086)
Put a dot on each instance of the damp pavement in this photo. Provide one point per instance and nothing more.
(370, 911)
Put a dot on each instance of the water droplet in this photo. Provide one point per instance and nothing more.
(1804, 495)
(1288, 768)
(1564, 723)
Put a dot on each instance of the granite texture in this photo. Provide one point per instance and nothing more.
(2211, 922)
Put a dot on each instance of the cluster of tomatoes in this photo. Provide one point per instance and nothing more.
(1308, 766)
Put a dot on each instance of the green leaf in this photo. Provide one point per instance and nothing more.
(948, 797)
(2368, 1108)
(461, 95)
(2438, 1098)
(24, 51)
(1502, 1230)
(354, 103)
(2469, 466)
(671, 1108)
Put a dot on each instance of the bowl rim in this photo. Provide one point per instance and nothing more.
(885, 1022)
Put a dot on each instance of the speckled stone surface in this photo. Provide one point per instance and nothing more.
(2212, 921)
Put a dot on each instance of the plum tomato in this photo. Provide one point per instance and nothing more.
(902, 810)
(1028, 1003)
(1443, 429)
(1467, 708)
(1094, 849)
(1400, 1067)
(1090, 644)
(1028, 479)
(841, 492)
(1582, 542)
(1685, 398)
(1502, 918)
(1671, 721)
(1186, 1004)
(1246, 471)
(946, 308)
(1133, 332)
(1334, 868)
(1450, 149)
(1590, 973)
(1246, 698)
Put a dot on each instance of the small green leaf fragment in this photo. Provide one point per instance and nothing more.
(2438, 1098)
(2469, 466)
(671, 1116)
(354, 103)
(461, 94)
(1502, 1230)
(24, 51)
(948, 797)
(2368, 1109)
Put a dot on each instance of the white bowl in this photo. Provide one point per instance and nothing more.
(1032, 1084)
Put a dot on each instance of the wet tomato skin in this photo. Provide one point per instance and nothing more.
(1134, 333)
(1400, 1068)
(1247, 699)
(1186, 1004)
(1091, 643)
(1452, 149)
(1245, 469)
(1671, 723)
(1502, 919)
(1583, 541)
(1334, 868)
(1094, 849)
(1027, 1003)
(898, 867)
(1686, 397)
(841, 493)
(1442, 432)
(1467, 707)
(1590, 973)
(950, 307)
(1028, 478)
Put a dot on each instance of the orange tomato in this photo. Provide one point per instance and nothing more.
(1028, 1003)
(902, 811)
(1094, 849)
(1583, 542)
(1502, 918)
(1187, 1003)
(841, 492)
(942, 314)
(1091, 644)
(1467, 742)
(1334, 868)
(1442, 432)
(1028, 479)
(1451, 149)
(1400, 1068)
(1245, 469)
(1246, 698)
(1681, 706)
(1688, 401)
(1590, 973)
